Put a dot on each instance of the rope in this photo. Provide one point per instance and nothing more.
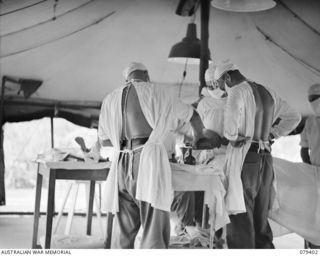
(299, 18)
(61, 37)
(301, 61)
(22, 8)
(47, 21)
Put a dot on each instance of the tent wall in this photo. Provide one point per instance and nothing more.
(18, 109)
(80, 54)
(78, 57)
(2, 188)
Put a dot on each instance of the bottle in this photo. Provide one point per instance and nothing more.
(189, 158)
(173, 158)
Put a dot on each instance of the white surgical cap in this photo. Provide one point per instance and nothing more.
(132, 67)
(208, 76)
(314, 89)
(222, 68)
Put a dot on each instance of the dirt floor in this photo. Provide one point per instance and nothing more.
(16, 232)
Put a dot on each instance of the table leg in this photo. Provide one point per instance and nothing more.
(205, 216)
(37, 209)
(98, 210)
(107, 244)
(50, 208)
(90, 206)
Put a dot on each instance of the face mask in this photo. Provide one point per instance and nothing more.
(205, 92)
(216, 93)
(227, 88)
(316, 106)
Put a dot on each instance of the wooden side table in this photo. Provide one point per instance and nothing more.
(64, 171)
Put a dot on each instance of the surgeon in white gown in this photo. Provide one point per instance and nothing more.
(297, 200)
(310, 136)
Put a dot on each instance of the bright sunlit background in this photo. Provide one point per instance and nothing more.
(24, 140)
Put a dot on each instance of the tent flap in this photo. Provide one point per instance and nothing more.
(78, 112)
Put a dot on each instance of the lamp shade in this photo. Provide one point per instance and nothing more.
(243, 5)
(188, 50)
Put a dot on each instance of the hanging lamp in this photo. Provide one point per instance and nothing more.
(243, 5)
(188, 50)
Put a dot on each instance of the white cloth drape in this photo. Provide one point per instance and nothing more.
(298, 198)
(154, 184)
(110, 127)
(207, 178)
(238, 120)
(162, 112)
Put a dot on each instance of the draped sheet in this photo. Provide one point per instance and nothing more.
(203, 178)
(298, 198)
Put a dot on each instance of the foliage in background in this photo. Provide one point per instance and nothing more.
(23, 141)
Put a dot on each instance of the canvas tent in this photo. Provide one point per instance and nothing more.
(78, 48)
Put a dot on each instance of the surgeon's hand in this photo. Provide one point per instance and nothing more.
(240, 141)
(224, 141)
(208, 140)
(209, 134)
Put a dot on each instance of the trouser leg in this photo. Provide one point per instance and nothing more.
(127, 221)
(309, 245)
(183, 206)
(219, 233)
(126, 224)
(156, 227)
(264, 237)
(313, 246)
(133, 213)
(240, 232)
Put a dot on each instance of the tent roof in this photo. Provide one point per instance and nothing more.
(81, 53)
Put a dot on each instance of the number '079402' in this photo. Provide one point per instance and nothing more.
(309, 252)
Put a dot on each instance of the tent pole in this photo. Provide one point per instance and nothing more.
(2, 170)
(2, 166)
(205, 15)
(52, 132)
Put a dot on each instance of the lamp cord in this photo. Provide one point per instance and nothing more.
(55, 9)
(193, 18)
(184, 74)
